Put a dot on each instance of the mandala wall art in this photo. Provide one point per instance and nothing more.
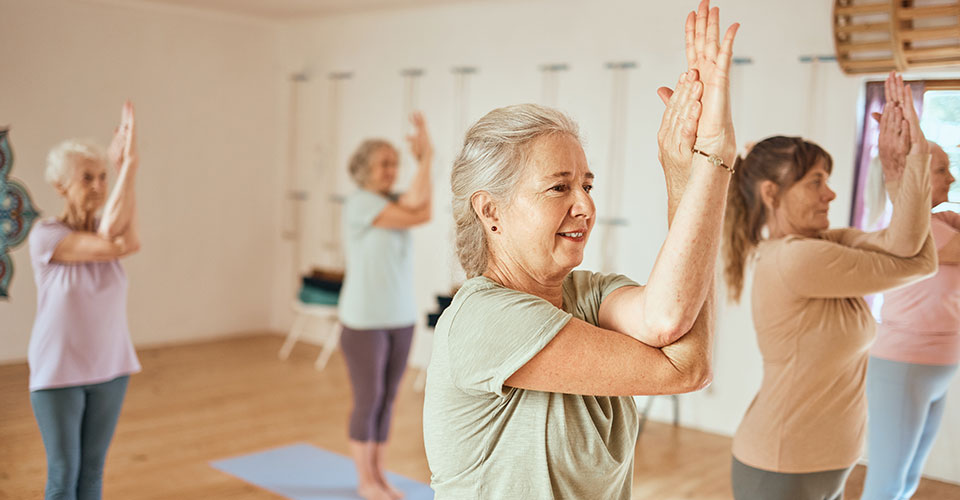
(16, 214)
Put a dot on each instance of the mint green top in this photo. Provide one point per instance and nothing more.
(378, 281)
(487, 441)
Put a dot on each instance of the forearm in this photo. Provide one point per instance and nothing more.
(910, 221)
(692, 354)
(131, 234)
(685, 266)
(118, 211)
(421, 189)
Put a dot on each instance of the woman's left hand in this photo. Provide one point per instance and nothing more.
(420, 145)
(678, 128)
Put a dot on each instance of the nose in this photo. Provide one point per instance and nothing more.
(583, 206)
(830, 195)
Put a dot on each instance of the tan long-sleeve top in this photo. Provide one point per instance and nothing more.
(814, 330)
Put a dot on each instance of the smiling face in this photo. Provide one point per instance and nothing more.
(940, 176)
(86, 192)
(545, 226)
(803, 207)
(383, 170)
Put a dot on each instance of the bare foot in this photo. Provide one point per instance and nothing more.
(373, 491)
(393, 492)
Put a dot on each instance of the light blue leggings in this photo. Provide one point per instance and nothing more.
(77, 424)
(905, 402)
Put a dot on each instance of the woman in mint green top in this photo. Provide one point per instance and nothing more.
(376, 304)
(529, 388)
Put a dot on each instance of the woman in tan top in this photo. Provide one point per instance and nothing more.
(804, 430)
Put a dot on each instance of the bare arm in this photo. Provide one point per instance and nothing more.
(118, 212)
(586, 359)
(421, 189)
(683, 273)
(397, 216)
(83, 246)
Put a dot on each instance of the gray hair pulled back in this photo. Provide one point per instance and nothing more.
(359, 164)
(492, 160)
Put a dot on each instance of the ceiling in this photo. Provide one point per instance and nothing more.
(291, 9)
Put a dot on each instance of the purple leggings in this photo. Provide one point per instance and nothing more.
(376, 360)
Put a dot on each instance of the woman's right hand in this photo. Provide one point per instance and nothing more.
(715, 133)
(122, 149)
(420, 145)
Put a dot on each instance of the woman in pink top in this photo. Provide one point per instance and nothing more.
(805, 429)
(80, 351)
(915, 358)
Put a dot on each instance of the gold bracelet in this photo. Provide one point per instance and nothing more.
(715, 160)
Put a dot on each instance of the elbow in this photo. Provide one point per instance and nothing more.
(697, 378)
(669, 328)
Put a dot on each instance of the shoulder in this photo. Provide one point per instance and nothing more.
(949, 218)
(48, 228)
(586, 283)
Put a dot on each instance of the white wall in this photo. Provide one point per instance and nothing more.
(207, 92)
(507, 42)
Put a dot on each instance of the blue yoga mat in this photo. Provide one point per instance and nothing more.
(304, 472)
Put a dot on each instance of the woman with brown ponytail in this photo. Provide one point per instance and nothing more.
(805, 428)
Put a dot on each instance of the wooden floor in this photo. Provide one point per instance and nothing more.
(201, 402)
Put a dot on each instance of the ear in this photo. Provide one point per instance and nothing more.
(485, 208)
(769, 191)
(60, 189)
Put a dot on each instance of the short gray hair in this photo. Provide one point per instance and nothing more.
(492, 160)
(60, 159)
(359, 166)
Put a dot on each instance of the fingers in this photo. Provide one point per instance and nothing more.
(131, 130)
(888, 92)
(700, 35)
(664, 93)
(713, 34)
(726, 49)
(689, 30)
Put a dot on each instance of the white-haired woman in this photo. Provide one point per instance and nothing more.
(534, 365)
(377, 308)
(915, 356)
(80, 351)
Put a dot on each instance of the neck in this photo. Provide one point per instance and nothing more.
(78, 220)
(550, 289)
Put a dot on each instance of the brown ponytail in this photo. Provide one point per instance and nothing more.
(782, 160)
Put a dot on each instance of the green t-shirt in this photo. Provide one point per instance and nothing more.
(487, 441)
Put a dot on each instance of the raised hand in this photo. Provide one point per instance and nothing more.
(678, 128)
(712, 60)
(122, 148)
(894, 140)
(130, 143)
(115, 149)
(419, 141)
(918, 142)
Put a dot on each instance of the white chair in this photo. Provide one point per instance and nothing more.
(315, 313)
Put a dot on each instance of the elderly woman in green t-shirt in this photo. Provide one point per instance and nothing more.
(528, 392)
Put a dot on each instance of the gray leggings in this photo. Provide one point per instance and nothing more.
(750, 483)
(376, 360)
(77, 424)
